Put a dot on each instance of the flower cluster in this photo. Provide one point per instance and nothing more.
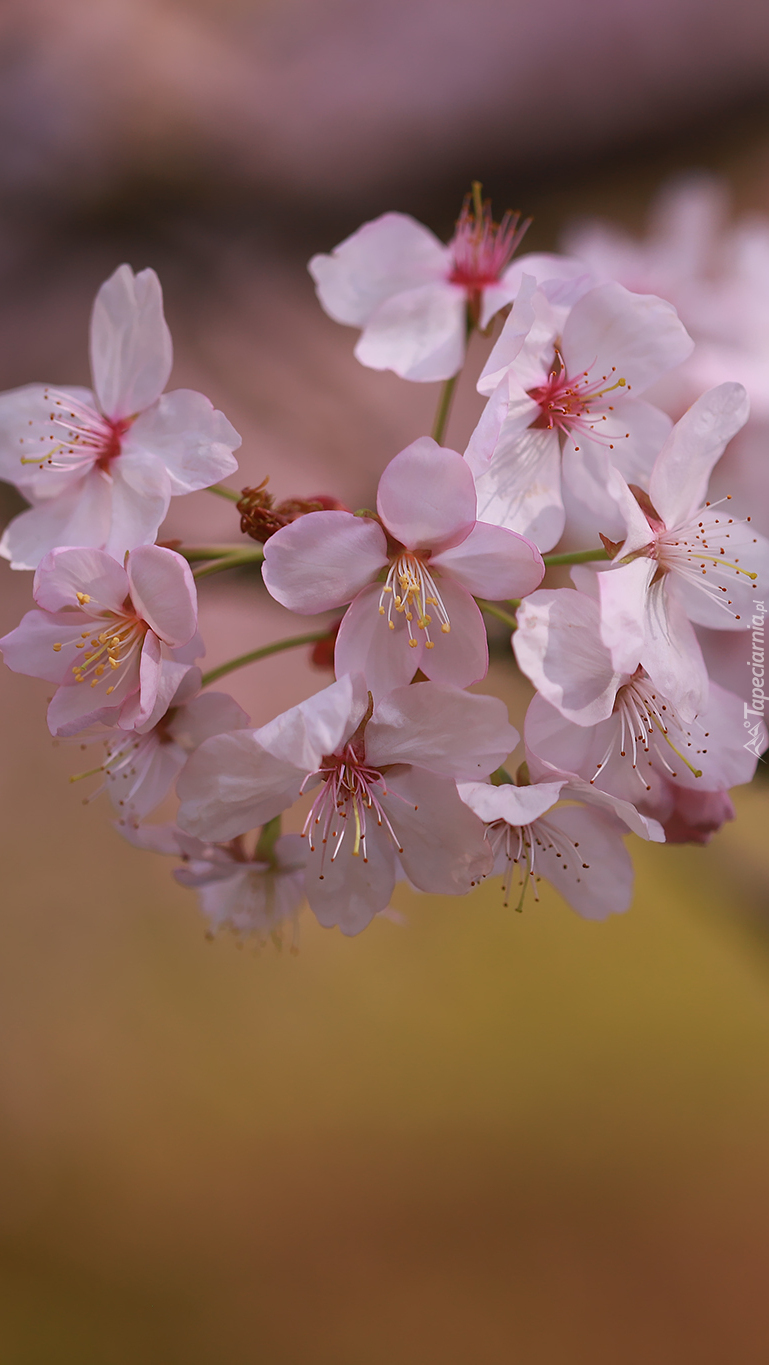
(396, 769)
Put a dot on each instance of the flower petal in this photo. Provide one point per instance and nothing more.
(140, 496)
(348, 891)
(515, 805)
(212, 713)
(323, 559)
(192, 439)
(79, 516)
(391, 254)
(594, 873)
(131, 351)
(27, 432)
(444, 848)
(420, 333)
(493, 562)
(426, 497)
(30, 647)
(366, 645)
(231, 784)
(450, 732)
(66, 572)
(671, 652)
(521, 488)
(558, 646)
(163, 592)
(461, 656)
(680, 476)
(613, 334)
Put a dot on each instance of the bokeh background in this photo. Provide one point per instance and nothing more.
(474, 1138)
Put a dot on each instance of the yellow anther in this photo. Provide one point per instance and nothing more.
(57, 648)
(111, 688)
(80, 644)
(446, 628)
(429, 644)
(413, 644)
(82, 598)
(114, 663)
(391, 624)
(381, 611)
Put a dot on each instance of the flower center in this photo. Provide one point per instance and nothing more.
(643, 732)
(522, 846)
(410, 590)
(79, 438)
(348, 800)
(576, 405)
(111, 640)
(698, 551)
(481, 248)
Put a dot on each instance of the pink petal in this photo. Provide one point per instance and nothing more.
(366, 645)
(493, 562)
(29, 648)
(74, 709)
(613, 333)
(232, 784)
(26, 429)
(153, 697)
(521, 487)
(679, 479)
(141, 493)
(671, 653)
(131, 352)
(460, 657)
(385, 257)
(605, 886)
(426, 497)
(624, 606)
(78, 516)
(516, 805)
(163, 592)
(323, 559)
(450, 732)
(513, 335)
(558, 646)
(66, 572)
(189, 436)
(444, 848)
(420, 333)
(212, 713)
(349, 891)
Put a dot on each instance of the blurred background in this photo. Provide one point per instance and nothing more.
(473, 1138)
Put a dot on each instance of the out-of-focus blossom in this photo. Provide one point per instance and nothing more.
(100, 467)
(141, 766)
(682, 560)
(252, 896)
(576, 847)
(411, 578)
(384, 780)
(696, 816)
(413, 296)
(108, 636)
(564, 388)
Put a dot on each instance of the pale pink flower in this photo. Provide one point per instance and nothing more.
(109, 637)
(384, 782)
(101, 467)
(141, 765)
(578, 848)
(696, 816)
(251, 897)
(564, 386)
(683, 560)
(411, 579)
(412, 296)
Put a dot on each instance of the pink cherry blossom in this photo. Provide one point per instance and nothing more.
(384, 783)
(576, 847)
(696, 816)
(564, 386)
(141, 766)
(109, 637)
(683, 560)
(411, 575)
(101, 467)
(250, 896)
(619, 732)
(411, 295)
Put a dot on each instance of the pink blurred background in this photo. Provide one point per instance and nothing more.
(475, 1138)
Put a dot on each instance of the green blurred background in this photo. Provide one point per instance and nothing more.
(475, 1137)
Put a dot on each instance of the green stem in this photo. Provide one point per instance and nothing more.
(265, 848)
(214, 674)
(234, 561)
(575, 557)
(194, 553)
(231, 494)
(444, 408)
(491, 609)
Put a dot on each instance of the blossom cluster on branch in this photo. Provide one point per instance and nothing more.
(580, 458)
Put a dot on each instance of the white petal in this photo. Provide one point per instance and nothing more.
(521, 489)
(558, 646)
(613, 334)
(680, 475)
(131, 352)
(382, 258)
(451, 732)
(420, 333)
(192, 439)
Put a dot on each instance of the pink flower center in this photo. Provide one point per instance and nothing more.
(411, 591)
(521, 845)
(348, 800)
(480, 248)
(79, 436)
(575, 405)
